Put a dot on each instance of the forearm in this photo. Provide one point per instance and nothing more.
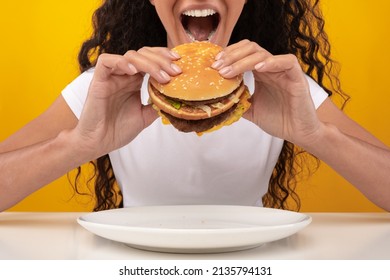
(25, 170)
(364, 165)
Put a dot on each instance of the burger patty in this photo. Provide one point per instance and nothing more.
(198, 125)
(194, 110)
(199, 103)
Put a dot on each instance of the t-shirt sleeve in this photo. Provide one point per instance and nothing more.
(76, 92)
(318, 94)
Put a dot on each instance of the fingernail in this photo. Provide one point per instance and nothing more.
(225, 71)
(175, 54)
(217, 64)
(164, 76)
(259, 65)
(218, 56)
(176, 68)
(132, 68)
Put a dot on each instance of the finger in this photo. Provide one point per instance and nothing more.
(108, 64)
(164, 57)
(243, 65)
(287, 63)
(232, 48)
(162, 51)
(236, 52)
(149, 115)
(159, 64)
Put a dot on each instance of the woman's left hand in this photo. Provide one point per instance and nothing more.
(281, 104)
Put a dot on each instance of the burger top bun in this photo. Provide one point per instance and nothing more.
(198, 81)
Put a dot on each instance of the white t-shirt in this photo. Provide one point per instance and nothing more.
(163, 166)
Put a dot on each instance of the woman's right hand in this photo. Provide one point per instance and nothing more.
(113, 114)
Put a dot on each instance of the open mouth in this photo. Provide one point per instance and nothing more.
(200, 25)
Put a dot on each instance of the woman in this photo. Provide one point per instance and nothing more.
(101, 111)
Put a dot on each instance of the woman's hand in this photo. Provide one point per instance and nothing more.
(113, 114)
(281, 104)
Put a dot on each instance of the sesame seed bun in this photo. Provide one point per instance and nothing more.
(198, 81)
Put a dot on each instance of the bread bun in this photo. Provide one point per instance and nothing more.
(199, 99)
(198, 81)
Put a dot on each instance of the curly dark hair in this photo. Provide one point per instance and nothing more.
(280, 26)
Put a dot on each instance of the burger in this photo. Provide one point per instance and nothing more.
(199, 99)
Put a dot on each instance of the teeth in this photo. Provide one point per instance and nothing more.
(211, 35)
(200, 13)
(193, 38)
(190, 36)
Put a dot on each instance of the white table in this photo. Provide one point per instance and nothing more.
(58, 236)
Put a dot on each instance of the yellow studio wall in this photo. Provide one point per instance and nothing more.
(38, 57)
(359, 34)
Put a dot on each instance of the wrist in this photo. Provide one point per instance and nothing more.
(318, 142)
(76, 149)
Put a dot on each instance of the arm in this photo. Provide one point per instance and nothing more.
(25, 170)
(281, 106)
(354, 153)
(26, 157)
(112, 116)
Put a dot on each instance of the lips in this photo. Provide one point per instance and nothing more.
(200, 24)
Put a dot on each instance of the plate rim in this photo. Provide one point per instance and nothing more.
(305, 220)
(203, 240)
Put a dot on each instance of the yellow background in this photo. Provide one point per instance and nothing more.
(38, 57)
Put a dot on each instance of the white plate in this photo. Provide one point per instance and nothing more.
(194, 228)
